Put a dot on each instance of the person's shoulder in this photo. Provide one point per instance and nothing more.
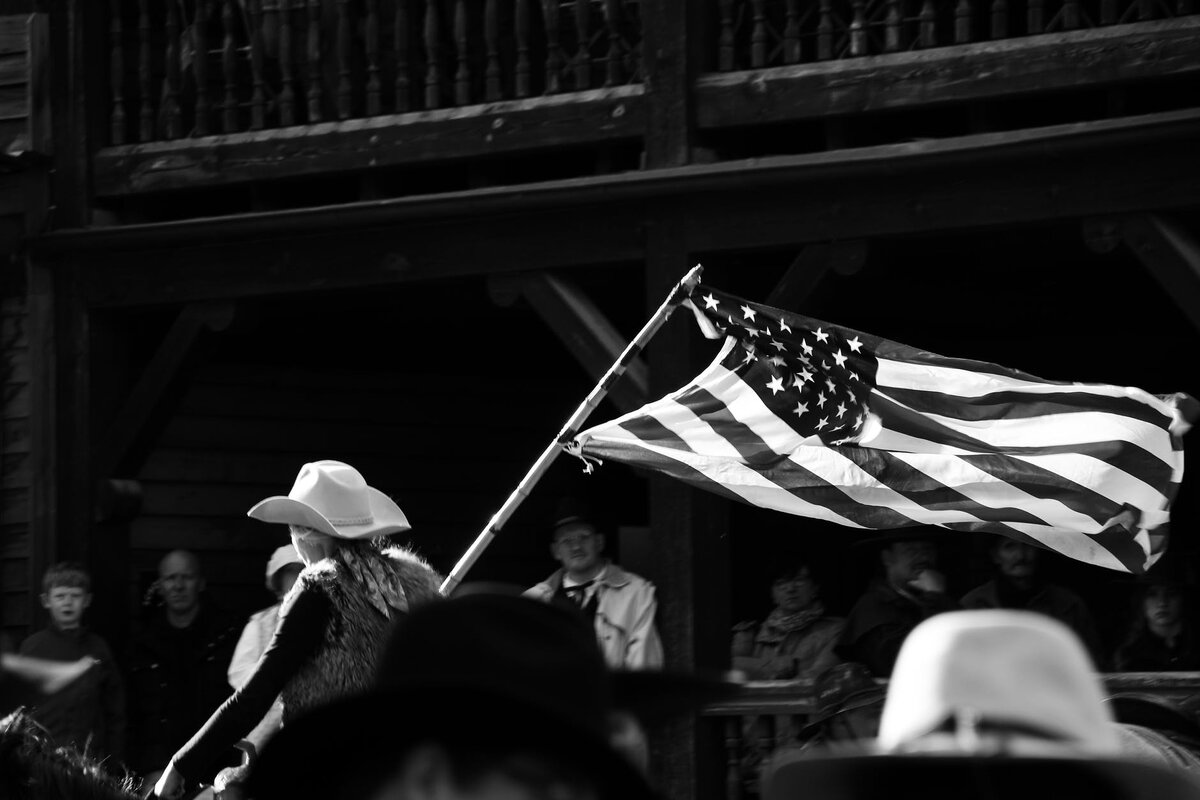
(617, 576)
(982, 596)
(35, 641)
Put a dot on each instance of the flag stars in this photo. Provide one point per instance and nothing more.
(748, 313)
(841, 410)
(854, 343)
(778, 345)
(783, 326)
(829, 384)
(801, 409)
(821, 399)
(806, 347)
(803, 377)
(854, 375)
(778, 360)
(823, 422)
(775, 385)
(751, 332)
(821, 335)
(711, 302)
(840, 358)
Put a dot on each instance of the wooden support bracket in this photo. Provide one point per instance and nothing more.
(583, 329)
(133, 427)
(811, 266)
(1172, 256)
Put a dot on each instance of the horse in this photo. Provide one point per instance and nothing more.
(32, 767)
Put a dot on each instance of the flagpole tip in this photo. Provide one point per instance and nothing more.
(692, 279)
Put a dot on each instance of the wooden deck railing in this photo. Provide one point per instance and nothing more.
(768, 714)
(200, 67)
(753, 34)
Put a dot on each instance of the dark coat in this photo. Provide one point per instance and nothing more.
(90, 712)
(879, 623)
(177, 679)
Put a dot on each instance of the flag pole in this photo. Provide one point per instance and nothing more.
(677, 296)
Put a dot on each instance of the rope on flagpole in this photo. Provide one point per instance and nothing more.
(677, 296)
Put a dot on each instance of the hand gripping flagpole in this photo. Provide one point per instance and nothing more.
(677, 296)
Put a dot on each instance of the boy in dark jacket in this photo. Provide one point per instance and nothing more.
(89, 713)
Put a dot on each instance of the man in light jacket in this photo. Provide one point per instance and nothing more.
(620, 605)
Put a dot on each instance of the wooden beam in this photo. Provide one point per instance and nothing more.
(127, 436)
(577, 118)
(974, 72)
(1171, 254)
(690, 537)
(672, 46)
(586, 333)
(43, 427)
(809, 268)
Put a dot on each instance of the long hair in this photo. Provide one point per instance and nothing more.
(32, 767)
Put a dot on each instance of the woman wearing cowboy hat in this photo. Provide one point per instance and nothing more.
(333, 621)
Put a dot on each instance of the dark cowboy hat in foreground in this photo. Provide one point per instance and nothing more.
(481, 673)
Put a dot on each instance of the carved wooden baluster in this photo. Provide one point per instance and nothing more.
(287, 91)
(200, 68)
(171, 98)
(1070, 11)
(343, 59)
(371, 31)
(733, 757)
(433, 54)
(612, 67)
(999, 19)
(1108, 12)
(962, 22)
(926, 25)
(462, 75)
(858, 29)
(116, 77)
(791, 33)
(554, 58)
(400, 39)
(891, 27)
(1033, 17)
(258, 99)
(825, 31)
(229, 67)
(725, 38)
(523, 87)
(146, 111)
(312, 60)
(491, 41)
(758, 35)
(583, 61)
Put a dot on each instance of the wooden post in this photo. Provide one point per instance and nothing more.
(690, 551)
(73, 82)
(673, 38)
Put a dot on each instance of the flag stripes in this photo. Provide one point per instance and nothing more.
(808, 418)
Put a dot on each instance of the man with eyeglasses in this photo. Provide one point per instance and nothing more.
(619, 604)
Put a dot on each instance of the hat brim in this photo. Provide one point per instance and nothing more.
(386, 516)
(963, 777)
(366, 734)
(1149, 711)
(853, 702)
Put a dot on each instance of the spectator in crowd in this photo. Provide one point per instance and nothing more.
(89, 713)
(1162, 636)
(178, 662)
(1019, 585)
(620, 605)
(477, 697)
(333, 623)
(910, 590)
(796, 640)
(283, 568)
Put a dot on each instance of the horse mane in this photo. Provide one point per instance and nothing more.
(32, 767)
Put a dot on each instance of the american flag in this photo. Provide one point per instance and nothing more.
(814, 419)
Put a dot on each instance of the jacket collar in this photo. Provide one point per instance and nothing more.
(612, 577)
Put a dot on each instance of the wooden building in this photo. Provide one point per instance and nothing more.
(411, 233)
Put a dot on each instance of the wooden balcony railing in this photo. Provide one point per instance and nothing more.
(767, 715)
(188, 68)
(754, 34)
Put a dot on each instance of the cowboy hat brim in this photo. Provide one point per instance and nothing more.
(964, 777)
(386, 517)
(363, 738)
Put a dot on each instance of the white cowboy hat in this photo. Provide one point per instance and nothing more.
(1023, 675)
(333, 498)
